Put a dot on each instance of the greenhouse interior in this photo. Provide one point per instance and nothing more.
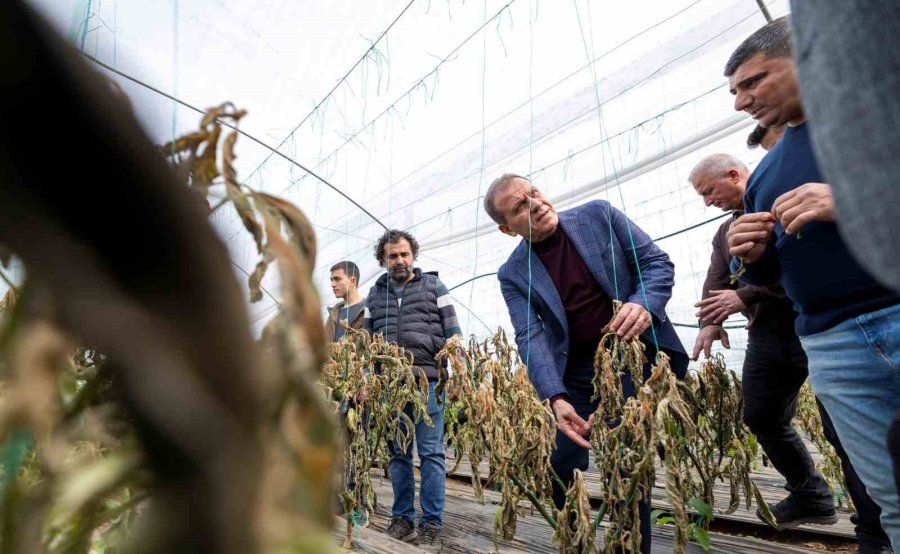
(434, 275)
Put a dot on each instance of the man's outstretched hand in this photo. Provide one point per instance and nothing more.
(570, 423)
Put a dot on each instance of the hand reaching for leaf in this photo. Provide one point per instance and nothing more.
(572, 424)
(630, 321)
(705, 339)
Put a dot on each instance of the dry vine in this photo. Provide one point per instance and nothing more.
(501, 411)
(371, 381)
(809, 422)
(77, 478)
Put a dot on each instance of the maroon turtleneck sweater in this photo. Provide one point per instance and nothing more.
(588, 308)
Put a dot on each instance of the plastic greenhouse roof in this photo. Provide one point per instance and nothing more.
(411, 108)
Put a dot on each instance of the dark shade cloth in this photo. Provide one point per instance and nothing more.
(849, 74)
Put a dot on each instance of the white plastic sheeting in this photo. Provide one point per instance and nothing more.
(611, 100)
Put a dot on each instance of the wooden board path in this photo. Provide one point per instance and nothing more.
(770, 483)
(468, 527)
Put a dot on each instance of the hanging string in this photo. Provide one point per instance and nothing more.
(174, 73)
(548, 89)
(321, 102)
(83, 27)
(616, 177)
(530, 184)
(477, 207)
(239, 131)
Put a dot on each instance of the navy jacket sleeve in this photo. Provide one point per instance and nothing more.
(650, 265)
(531, 339)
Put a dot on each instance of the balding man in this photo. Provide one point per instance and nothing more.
(775, 366)
(559, 285)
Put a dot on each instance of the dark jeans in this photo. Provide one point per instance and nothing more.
(775, 368)
(568, 456)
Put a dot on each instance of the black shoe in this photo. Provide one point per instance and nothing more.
(430, 536)
(401, 529)
(873, 547)
(789, 514)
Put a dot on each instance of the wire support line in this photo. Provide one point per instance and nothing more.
(566, 159)
(548, 89)
(410, 90)
(692, 227)
(708, 136)
(697, 326)
(244, 271)
(510, 112)
(765, 10)
(237, 130)
(467, 281)
(592, 110)
(471, 312)
(331, 92)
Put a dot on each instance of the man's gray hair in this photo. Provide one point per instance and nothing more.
(717, 165)
(499, 184)
(773, 40)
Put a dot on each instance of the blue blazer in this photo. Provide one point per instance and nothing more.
(600, 233)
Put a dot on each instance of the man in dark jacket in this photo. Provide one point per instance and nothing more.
(413, 309)
(774, 369)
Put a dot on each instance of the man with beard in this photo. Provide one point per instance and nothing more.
(413, 309)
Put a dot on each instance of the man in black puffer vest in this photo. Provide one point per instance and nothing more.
(413, 309)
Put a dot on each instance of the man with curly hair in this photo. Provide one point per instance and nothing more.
(413, 309)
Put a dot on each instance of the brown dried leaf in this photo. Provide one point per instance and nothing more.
(255, 279)
(237, 197)
(301, 233)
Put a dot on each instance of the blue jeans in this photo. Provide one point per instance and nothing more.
(430, 446)
(854, 369)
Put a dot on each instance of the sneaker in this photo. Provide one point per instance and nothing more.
(430, 535)
(789, 514)
(401, 529)
(360, 517)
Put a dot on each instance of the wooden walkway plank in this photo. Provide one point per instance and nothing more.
(770, 483)
(468, 528)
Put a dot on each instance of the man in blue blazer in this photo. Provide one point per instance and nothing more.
(559, 284)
